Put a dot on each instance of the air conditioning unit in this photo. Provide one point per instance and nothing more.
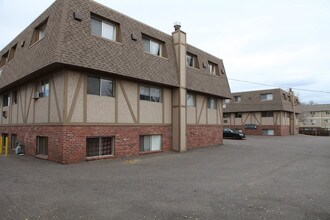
(36, 95)
(5, 114)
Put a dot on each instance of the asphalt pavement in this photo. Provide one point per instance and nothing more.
(258, 178)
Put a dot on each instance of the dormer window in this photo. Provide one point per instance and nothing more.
(154, 46)
(237, 99)
(104, 28)
(266, 97)
(3, 60)
(213, 69)
(192, 61)
(39, 32)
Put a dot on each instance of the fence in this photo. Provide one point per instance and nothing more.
(316, 132)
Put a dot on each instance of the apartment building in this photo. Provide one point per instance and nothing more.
(315, 117)
(264, 112)
(84, 82)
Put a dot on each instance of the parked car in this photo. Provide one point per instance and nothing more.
(230, 133)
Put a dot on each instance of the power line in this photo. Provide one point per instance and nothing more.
(263, 84)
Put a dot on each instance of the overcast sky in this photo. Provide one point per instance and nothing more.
(285, 43)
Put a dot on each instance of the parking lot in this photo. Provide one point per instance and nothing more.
(258, 178)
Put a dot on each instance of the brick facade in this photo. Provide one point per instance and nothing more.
(202, 136)
(67, 144)
(279, 130)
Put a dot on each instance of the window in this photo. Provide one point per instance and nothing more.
(313, 121)
(225, 121)
(237, 99)
(13, 140)
(226, 101)
(6, 100)
(42, 145)
(3, 60)
(39, 32)
(285, 97)
(226, 115)
(154, 46)
(150, 143)
(267, 114)
(266, 97)
(191, 100)
(214, 69)
(12, 53)
(267, 132)
(14, 97)
(99, 146)
(212, 103)
(106, 29)
(327, 112)
(44, 88)
(312, 114)
(238, 115)
(192, 61)
(100, 86)
(150, 93)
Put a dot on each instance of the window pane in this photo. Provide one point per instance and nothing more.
(92, 148)
(41, 32)
(156, 142)
(106, 87)
(146, 45)
(145, 143)
(6, 100)
(45, 88)
(154, 94)
(144, 93)
(154, 48)
(108, 31)
(93, 86)
(190, 100)
(96, 27)
(42, 145)
(189, 60)
(106, 148)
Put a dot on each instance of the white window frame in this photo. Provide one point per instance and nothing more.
(150, 143)
(152, 42)
(266, 97)
(104, 24)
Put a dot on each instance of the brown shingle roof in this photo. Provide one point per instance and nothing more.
(250, 102)
(68, 41)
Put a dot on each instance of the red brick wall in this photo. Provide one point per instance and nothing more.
(67, 144)
(202, 136)
(279, 130)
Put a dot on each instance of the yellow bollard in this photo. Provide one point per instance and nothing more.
(1, 145)
(6, 149)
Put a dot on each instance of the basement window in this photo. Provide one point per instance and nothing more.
(39, 32)
(99, 146)
(150, 143)
(42, 146)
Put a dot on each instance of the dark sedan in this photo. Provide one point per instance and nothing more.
(229, 133)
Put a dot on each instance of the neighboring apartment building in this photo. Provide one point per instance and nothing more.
(315, 117)
(86, 82)
(264, 112)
